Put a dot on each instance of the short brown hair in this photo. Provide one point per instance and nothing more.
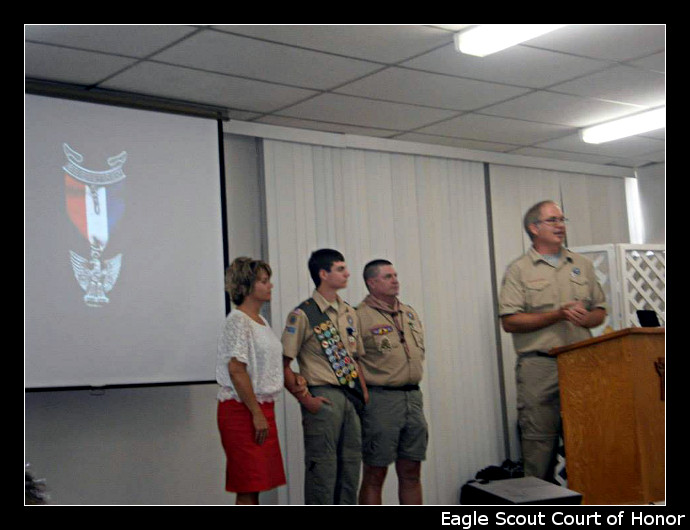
(371, 269)
(322, 259)
(241, 275)
(532, 215)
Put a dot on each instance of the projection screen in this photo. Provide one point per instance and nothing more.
(123, 245)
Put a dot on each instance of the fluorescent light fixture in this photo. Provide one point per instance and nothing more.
(629, 126)
(486, 39)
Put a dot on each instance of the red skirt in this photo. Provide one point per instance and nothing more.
(250, 467)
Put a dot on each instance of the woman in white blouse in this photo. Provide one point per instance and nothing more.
(250, 374)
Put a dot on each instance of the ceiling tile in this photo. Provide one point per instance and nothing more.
(387, 44)
(564, 155)
(625, 147)
(622, 84)
(455, 142)
(133, 40)
(655, 157)
(70, 66)
(627, 161)
(296, 123)
(242, 115)
(433, 90)
(494, 129)
(659, 134)
(616, 42)
(655, 63)
(221, 52)
(213, 89)
(399, 81)
(519, 66)
(365, 113)
(560, 109)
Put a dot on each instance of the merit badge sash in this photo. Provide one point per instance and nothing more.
(333, 347)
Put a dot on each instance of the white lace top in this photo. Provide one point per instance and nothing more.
(259, 348)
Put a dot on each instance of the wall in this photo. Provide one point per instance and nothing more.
(651, 182)
(148, 445)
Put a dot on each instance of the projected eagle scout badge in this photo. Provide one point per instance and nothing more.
(95, 206)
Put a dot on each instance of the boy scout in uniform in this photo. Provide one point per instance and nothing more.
(322, 333)
(393, 425)
(550, 297)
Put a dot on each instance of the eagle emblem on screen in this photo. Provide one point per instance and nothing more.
(95, 206)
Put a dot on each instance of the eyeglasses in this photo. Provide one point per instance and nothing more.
(552, 220)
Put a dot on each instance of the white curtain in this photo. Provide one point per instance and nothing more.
(428, 216)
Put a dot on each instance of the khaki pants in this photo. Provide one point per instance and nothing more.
(539, 413)
(332, 449)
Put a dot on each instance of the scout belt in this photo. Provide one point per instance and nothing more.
(333, 347)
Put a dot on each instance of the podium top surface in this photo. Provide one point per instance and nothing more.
(607, 337)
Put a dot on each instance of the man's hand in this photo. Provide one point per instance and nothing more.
(313, 403)
(300, 389)
(577, 314)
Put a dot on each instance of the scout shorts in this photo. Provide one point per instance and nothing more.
(394, 427)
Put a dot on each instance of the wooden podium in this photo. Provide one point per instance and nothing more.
(613, 410)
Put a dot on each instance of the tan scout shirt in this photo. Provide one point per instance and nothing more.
(388, 361)
(300, 342)
(531, 285)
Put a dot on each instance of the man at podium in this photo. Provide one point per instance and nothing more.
(549, 297)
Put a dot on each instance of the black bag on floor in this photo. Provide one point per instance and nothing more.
(508, 469)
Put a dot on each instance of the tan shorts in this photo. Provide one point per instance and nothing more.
(393, 427)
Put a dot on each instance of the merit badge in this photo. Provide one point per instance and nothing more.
(95, 205)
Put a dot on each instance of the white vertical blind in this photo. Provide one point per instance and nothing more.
(428, 216)
(597, 209)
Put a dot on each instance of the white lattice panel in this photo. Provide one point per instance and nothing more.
(643, 281)
(633, 277)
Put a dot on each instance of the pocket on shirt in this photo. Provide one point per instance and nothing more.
(540, 295)
(418, 337)
(581, 290)
(385, 343)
